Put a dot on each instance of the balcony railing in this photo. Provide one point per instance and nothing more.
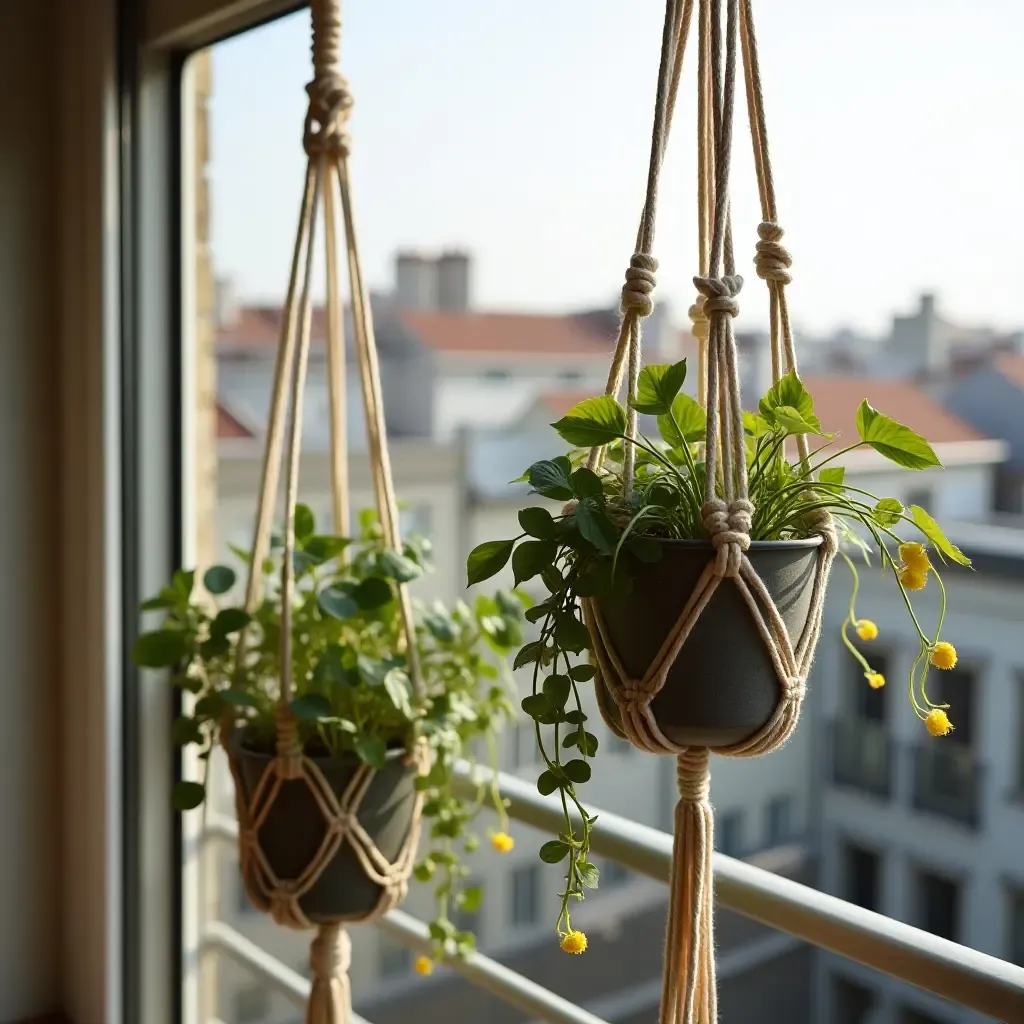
(947, 782)
(862, 756)
(965, 976)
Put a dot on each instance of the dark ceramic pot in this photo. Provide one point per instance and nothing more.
(723, 686)
(294, 829)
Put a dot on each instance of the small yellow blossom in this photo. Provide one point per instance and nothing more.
(943, 655)
(875, 680)
(574, 942)
(938, 723)
(911, 578)
(915, 556)
(866, 629)
(424, 965)
(502, 842)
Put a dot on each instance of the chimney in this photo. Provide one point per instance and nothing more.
(416, 281)
(453, 282)
(226, 303)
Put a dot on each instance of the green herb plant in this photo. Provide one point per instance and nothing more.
(353, 694)
(592, 547)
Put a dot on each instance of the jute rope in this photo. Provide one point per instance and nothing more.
(326, 142)
(689, 995)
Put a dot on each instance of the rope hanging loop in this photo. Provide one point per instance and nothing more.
(330, 100)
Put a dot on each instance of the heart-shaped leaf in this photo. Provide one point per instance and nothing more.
(531, 556)
(895, 441)
(550, 478)
(658, 386)
(338, 602)
(488, 559)
(594, 421)
(537, 522)
(686, 424)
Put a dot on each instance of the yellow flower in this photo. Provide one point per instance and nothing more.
(938, 723)
(574, 942)
(866, 629)
(943, 655)
(502, 842)
(875, 680)
(424, 965)
(911, 578)
(915, 556)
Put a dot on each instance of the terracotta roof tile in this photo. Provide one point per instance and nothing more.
(1011, 367)
(229, 427)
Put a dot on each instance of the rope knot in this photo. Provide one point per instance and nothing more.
(284, 906)
(330, 953)
(693, 775)
(792, 687)
(700, 325)
(728, 526)
(821, 522)
(327, 117)
(639, 286)
(772, 259)
(719, 294)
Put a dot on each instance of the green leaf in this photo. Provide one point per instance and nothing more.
(595, 526)
(571, 634)
(440, 931)
(931, 529)
(186, 796)
(237, 698)
(887, 512)
(790, 394)
(577, 771)
(585, 742)
(373, 593)
(536, 704)
(531, 556)
(471, 899)
(424, 871)
(557, 689)
(185, 731)
(658, 387)
(554, 851)
(160, 649)
(896, 442)
(441, 626)
(792, 422)
(330, 669)
(581, 673)
(833, 477)
(311, 706)
(397, 567)
(488, 559)
(229, 621)
(396, 682)
(594, 421)
(586, 484)
(755, 425)
(537, 522)
(371, 749)
(531, 652)
(338, 603)
(589, 875)
(219, 579)
(183, 582)
(690, 418)
(553, 579)
(214, 647)
(324, 548)
(547, 783)
(305, 523)
(575, 717)
(550, 478)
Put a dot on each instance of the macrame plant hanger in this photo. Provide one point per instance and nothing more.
(326, 142)
(689, 993)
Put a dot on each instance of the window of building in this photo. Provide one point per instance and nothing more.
(958, 688)
(251, 1004)
(522, 741)
(525, 887)
(863, 877)
(780, 827)
(938, 904)
(570, 376)
(867, 703)
(1016, 929)
(729, 833)
(922, 496)
(851, 1003)
(393, 960)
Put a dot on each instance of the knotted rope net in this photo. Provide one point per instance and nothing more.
(327, 184)
(689, 993)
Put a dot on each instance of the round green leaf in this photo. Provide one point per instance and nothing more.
(305, 522)
(372, 593)
(229, 621)
(594, 421)
(310, 707)
(488, 559)
(371, 749)
(219, 579)
(547, 783)
(160, 649)
(586, 484)
(577, 771)
(397, 567)
(187, 795)
(338, 602)
(556, 690)
(554, 851)
(239, 698)
(575, 717)
(536, 704)
(531, 557)
(537, 522)
(185, 731)
(581, 673)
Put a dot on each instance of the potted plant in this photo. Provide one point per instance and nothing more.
(633, 561)
(354, 707)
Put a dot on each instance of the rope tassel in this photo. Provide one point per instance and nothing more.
(688, 994)
(330, 1001)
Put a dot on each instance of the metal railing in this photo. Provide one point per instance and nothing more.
(975, 980)
(947, 782)
(862, 756)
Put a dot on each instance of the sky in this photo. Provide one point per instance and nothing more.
(521, 132)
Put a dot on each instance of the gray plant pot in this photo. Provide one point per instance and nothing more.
(723, 686)
(294, 830)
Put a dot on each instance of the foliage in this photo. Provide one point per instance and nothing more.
(593, 546)
(352, 690)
